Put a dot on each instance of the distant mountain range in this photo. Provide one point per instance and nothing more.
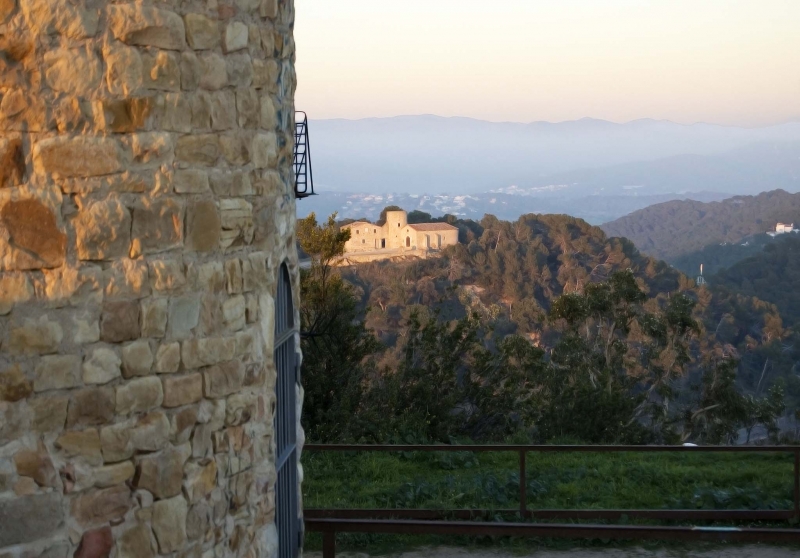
(595, 209)
(592, 169)
(435, 155)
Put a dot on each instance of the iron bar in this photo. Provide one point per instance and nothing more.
(667, 515)
(546, 448)
(549, 530)
(522, 488)
(329, 544)
(797, 483)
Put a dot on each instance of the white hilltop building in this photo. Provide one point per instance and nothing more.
(783, 228)
(396, 237)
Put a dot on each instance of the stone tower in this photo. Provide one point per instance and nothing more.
(146, 211)
(395, 224)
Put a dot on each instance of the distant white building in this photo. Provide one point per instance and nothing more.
(783, 228)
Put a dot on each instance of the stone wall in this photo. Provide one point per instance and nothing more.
(145, 207)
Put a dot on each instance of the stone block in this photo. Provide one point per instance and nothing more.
(103, 230)
(265, 75)
(196, 353)
(255, 273)
(161, 71)
(247, 108)
(151, 433)
(251, 308)
(236, 148)
(169, 524)
(158, 225)
(182, 424)
(48, 17)
(25, 519)
(76, 71)
(223, 111)
(214, 73)
(96, 543)
(240, 70)
(223, 379)
(203, 227)
(12, 162)
(57, 372)
(126, 278)
(240, 408)
(191, 71)
(201, 149)
(236, 36)
(201, 479)
(97, 507)
(49, 413)
(76, 286)
(208, 277)
(34, 336)
(76, 157)
(91, 407)
(233, 312)
(182, 390)
(162, 473)
(116, 442)
(191, 181)
(202, 441)
(167, 275)
(184, 315)
(201, 110)
(15, 421)
(112, 475)
(128, 115)
(135, 543)
(139, 395)
(102, 367)
(198, 521)
(177, 115)
(269, 116)
(233, 276)
(152, 148)
(265, 150)
(154, 317)
(202, 33)
(120, 321)
(37, 465)
(123, 69)
(146, 26)
(269, 9)
(83, 443)
(137, 359)
(210, 316)
(33, 237)
(14, 386)
(168, 358)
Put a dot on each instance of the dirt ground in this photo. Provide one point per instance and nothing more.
(748, 551)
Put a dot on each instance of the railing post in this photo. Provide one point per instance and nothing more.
(522, 482)
(329, 544)
(797, 484)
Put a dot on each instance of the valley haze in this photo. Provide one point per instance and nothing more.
(589, 168)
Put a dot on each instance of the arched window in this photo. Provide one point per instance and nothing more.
(286, 365)
(408, 241)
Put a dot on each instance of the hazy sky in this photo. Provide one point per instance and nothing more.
(722, 61)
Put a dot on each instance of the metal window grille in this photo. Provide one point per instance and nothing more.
(303, 178)
(286, 511)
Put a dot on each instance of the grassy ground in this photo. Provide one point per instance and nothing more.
(554, 480)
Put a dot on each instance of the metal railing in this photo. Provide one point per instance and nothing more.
(303, 177)
(439, 522)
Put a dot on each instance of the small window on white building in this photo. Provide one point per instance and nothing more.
(363, 241)
(374, 231)
(358, 231)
